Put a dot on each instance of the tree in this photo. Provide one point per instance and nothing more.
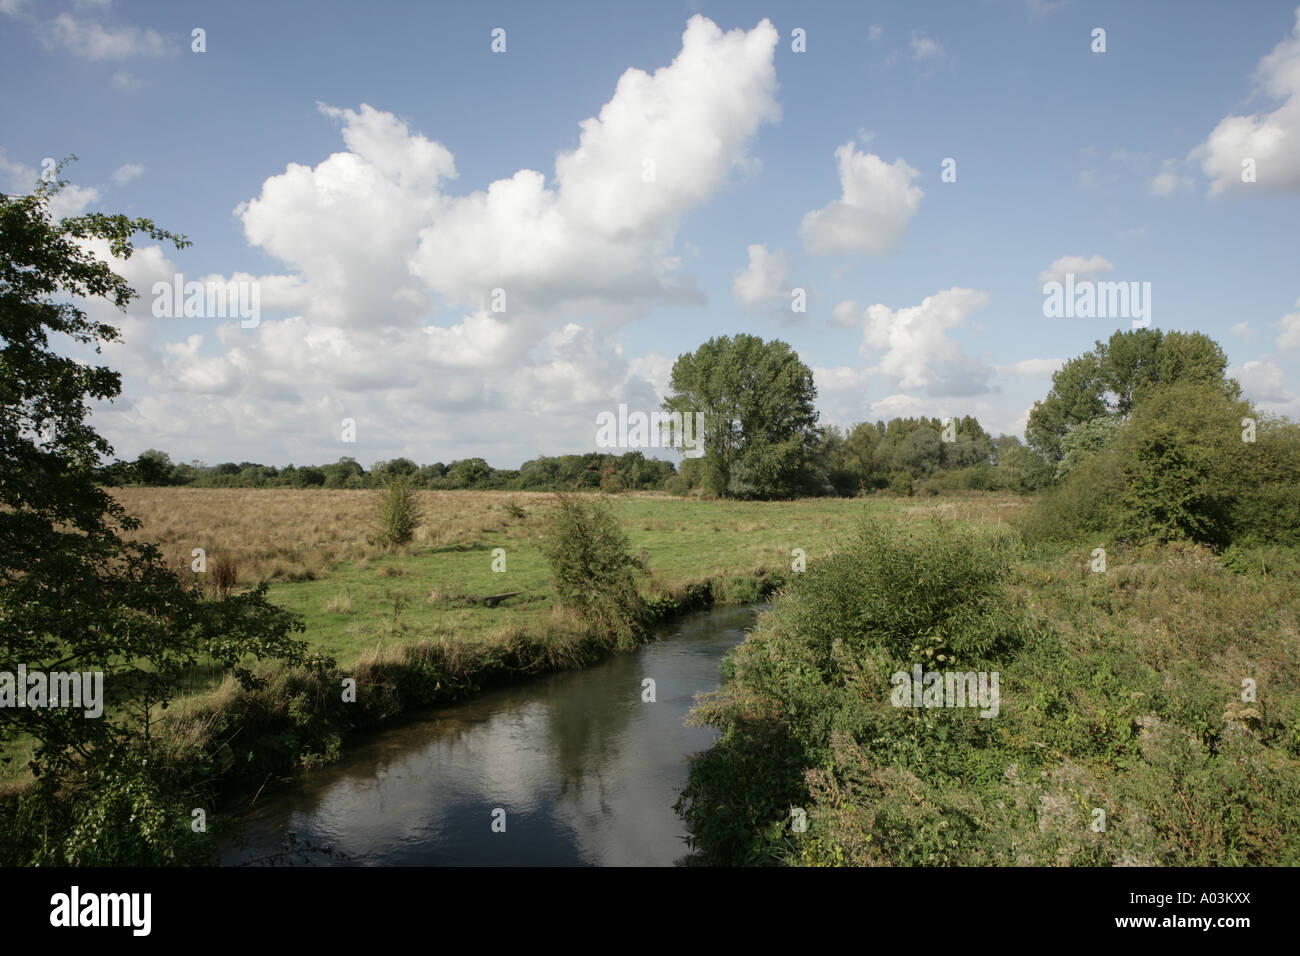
(153, 468)
(759, 421)
(394, 468)
(75, 593)
(921, 452)
(1111, 379)
(1018, 468)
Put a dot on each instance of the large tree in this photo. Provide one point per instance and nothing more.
(1109, 380)
(76, 594)
(759, 422)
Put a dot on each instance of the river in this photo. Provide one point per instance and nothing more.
(571, 769)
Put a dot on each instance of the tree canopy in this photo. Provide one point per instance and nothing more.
(759, 421)
(1110, 380)
(75, 593)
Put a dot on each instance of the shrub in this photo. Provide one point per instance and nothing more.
(594, 572)
(1178, 469)
(818, 667)
(900, 483)
(399, 513)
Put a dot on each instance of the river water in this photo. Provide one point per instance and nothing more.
(570, 769)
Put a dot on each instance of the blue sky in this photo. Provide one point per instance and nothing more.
(310, 149)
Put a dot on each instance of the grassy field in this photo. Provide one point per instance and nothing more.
(393, 617)
(1126, 695)
(359, 599)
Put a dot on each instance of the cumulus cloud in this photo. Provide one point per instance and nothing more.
(350, 225)
(914, 347)
(1040, 8)
(375, 247)
(766, 278)
(878, 201)
(1268, 138)
(125, 81)
(71, 200)
(1263, 383)
(661, 146)
(847, 313)
(1289, 338)
(1081, 266)
(925, 48)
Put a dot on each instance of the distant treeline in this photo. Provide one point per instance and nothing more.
(904, 455)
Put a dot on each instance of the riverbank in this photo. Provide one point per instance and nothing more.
(580, 767)
(1147, 711)
(300, 720)
(411, 627)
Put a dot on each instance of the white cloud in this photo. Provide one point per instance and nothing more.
(374, 247)
(71, 200)
(1039, 8)
(1262, 383)
(1032, 368)
(1169, 179)
(1081, 267)
(916, 352)
(686, 128)
(127, 172)
(875, 32)
(94, 41)
(877, 203)
(847, 313)
(766, 278)
(1243, 330)
(925, 48)
(1268, 138)
(1289, 338)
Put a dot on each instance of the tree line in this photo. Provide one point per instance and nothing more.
(903, 455)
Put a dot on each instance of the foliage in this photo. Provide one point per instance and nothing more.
(818, 668)
(594, 571)
(756, 399)
(399, 513)
(1111, 379)
(1179, 469)
(1120, 692)
(75, 594)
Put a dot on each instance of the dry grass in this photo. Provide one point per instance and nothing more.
(289, 534)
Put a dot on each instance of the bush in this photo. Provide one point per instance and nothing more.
(818, 668)
(1179, 469)
(900, 483)
(399, 513)
(593, 569)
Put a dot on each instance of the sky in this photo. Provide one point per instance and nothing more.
(472, 228)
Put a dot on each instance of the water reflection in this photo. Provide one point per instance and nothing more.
(586, 772)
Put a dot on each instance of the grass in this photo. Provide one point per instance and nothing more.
(357, 596)
(1125, 697)
(1164, 692)
(374, 608)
